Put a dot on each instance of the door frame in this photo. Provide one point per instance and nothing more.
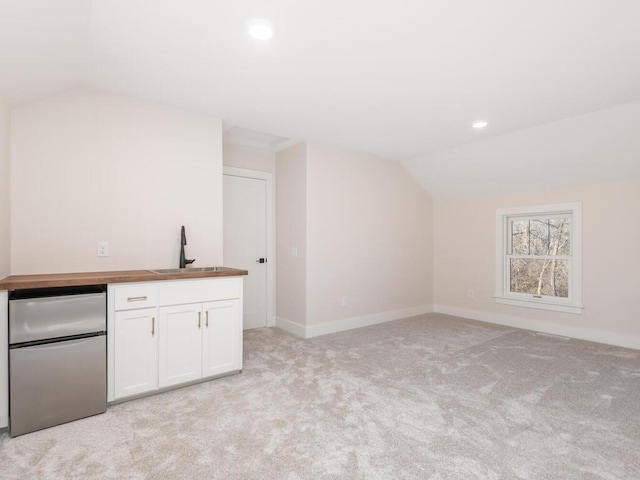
(271, 231)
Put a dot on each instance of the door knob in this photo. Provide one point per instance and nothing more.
(261, 260)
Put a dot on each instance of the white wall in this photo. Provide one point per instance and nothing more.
(5, 239)
(363, 230)
(369, 236)
(592, 158)
(251, 158)
(5, 257)
(291, 232)
(88, 167)
(465, 259)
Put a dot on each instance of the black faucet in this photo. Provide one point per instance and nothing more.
(184, 261)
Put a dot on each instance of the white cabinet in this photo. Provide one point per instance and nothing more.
(221, 340)
(180, 344)
(139, 295)
(132, 340)
(167, 333)
(136, 347)
(198, 341)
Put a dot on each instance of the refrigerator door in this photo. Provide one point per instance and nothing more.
(56, 383)
(33, 319)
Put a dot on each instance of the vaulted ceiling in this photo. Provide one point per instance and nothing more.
(401, 79)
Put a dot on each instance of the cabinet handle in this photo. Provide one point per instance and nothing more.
(137, 299)
(153, 326)
(206, 318)
(199, 315)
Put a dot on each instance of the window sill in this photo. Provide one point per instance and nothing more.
(540, 304)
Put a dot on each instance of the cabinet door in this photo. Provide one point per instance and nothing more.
(135, 352)
(180, 344)
(221, 340)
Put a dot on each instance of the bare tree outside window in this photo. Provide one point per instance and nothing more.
(538, 255)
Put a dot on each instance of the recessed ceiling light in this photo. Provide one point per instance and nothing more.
(479, 124)
(260, 29)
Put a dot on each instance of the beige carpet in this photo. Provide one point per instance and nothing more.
(431, 397)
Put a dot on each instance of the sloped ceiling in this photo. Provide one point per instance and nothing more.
(400, 79)
(43, 47)
(597, 147)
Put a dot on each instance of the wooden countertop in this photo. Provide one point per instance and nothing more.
(17, 282)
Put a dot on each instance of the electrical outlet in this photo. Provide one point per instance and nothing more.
(472, 293)
(343, 301)
(294, 251)
(103, 249)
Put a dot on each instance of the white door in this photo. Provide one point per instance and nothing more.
(245, 242)
(180, 344)
(220, 337)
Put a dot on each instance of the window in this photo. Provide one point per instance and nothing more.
(539, 253)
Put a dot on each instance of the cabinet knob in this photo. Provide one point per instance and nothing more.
(206, 318)
(199, 315)
(153, 326)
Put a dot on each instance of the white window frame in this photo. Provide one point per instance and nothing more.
(503, 295)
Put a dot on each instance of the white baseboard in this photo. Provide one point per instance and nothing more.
(271, 320)
(350, 323)
(291, 327)
(581, 333)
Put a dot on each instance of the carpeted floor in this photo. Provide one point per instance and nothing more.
(430, 397)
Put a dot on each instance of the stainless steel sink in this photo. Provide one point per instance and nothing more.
(171, 271)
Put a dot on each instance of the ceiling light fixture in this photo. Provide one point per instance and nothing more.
(479, 124)
(260, 29)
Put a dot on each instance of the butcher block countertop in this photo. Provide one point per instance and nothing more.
(18, 282)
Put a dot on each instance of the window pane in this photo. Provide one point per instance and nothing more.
(520, 237)
(559, 236)
(540, 277)
(540, 236)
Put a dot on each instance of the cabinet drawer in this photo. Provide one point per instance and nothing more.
(136, 296)
(187, 291)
